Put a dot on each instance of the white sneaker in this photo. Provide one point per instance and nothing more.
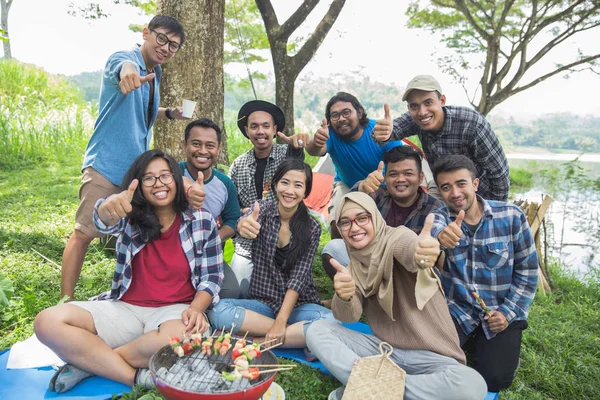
(337, 394)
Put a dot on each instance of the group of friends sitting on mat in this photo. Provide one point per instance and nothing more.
(434, 269)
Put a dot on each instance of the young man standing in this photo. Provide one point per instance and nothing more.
(347, 135)
(259, 121)
(444, 130)
(129, 105)
(490, 253)
(398, 196)
(201, 144)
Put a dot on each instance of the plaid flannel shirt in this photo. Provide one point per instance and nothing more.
(200, 242)
(270, 283)
(416, 219)
(499, 261)
(465, 132)
(242, 173)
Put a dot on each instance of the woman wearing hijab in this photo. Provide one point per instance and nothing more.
(390, 279)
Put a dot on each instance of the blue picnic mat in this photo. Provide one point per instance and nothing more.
(32, 383)
(298, 354)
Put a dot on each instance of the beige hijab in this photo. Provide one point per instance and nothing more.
(372, 267)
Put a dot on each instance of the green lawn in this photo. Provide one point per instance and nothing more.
(561, 349)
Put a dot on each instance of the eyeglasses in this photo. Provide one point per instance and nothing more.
(361, 220)
(150, 180)
(346, 112)
(163, 39)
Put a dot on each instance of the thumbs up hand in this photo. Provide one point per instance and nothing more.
(342, 281)
(322, 134)
(194, 191)
(248, 227)
(117, 206)
(383, 127)
(451, 235)
(428, 248)
(131, 79)
(373, 181)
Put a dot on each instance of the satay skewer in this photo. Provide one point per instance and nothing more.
(268, 365)
(272, 347)
(276, 369)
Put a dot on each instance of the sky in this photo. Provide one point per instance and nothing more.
(371, 36)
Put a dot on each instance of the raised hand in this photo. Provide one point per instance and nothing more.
(248, 227)
(298, 140)
(131, 79)
(383, 127)
(451, 234)
(177, 113)
(342, 281)
(117, 206)
(322, 134)
(428, 248)
(373, 181)
(195, 192)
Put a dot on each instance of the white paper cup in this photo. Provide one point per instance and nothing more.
(188, 108)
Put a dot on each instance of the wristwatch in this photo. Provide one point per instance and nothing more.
(168, 113)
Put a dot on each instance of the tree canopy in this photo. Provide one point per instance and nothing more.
(505, 40)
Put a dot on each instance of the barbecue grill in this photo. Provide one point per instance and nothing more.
(193, 377)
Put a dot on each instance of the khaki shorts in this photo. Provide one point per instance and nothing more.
(94, 186)
(119, 323)
(339, 190)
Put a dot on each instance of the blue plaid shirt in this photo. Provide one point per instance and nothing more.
(200, 242)
(499, 261)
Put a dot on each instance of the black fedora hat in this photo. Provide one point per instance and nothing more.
(260, 105)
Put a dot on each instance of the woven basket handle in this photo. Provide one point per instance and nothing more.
(386, 352)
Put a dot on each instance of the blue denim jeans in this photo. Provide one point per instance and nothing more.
(228, 311)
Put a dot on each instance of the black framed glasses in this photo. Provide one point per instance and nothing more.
(150, 180)
(163, 39)
(346, 112)
(361, 220)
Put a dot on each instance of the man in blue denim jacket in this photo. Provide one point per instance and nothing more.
(128, 107)
(490, 253)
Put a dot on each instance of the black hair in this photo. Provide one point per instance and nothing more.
(452, 163)
(204, 123)
(348, 98)
(143, 215)
(401, 153)
(300, 224)
(172, 25)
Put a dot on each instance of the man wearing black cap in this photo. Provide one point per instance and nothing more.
(260, 121)
(445, 130)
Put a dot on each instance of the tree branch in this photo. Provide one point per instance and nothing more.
(552, 73)
(297, 18)
(270, 19)
(309, 48)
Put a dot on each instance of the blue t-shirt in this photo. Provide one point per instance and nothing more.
(123, 129)
(221, 197)
(353, 161)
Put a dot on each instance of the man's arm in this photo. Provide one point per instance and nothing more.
(231, 212)
(489, 157)
(403, 127)
(525, 271)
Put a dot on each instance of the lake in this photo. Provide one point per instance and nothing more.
(573, 220)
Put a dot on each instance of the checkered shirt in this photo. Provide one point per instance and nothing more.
(200, 242)
(270, 283)
(499, 261)
(465, 132)
(242, 173)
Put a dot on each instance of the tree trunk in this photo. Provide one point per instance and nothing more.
(284, 91)
(4, 9)
(195, 72)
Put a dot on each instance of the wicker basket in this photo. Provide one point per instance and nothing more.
(376, 377)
